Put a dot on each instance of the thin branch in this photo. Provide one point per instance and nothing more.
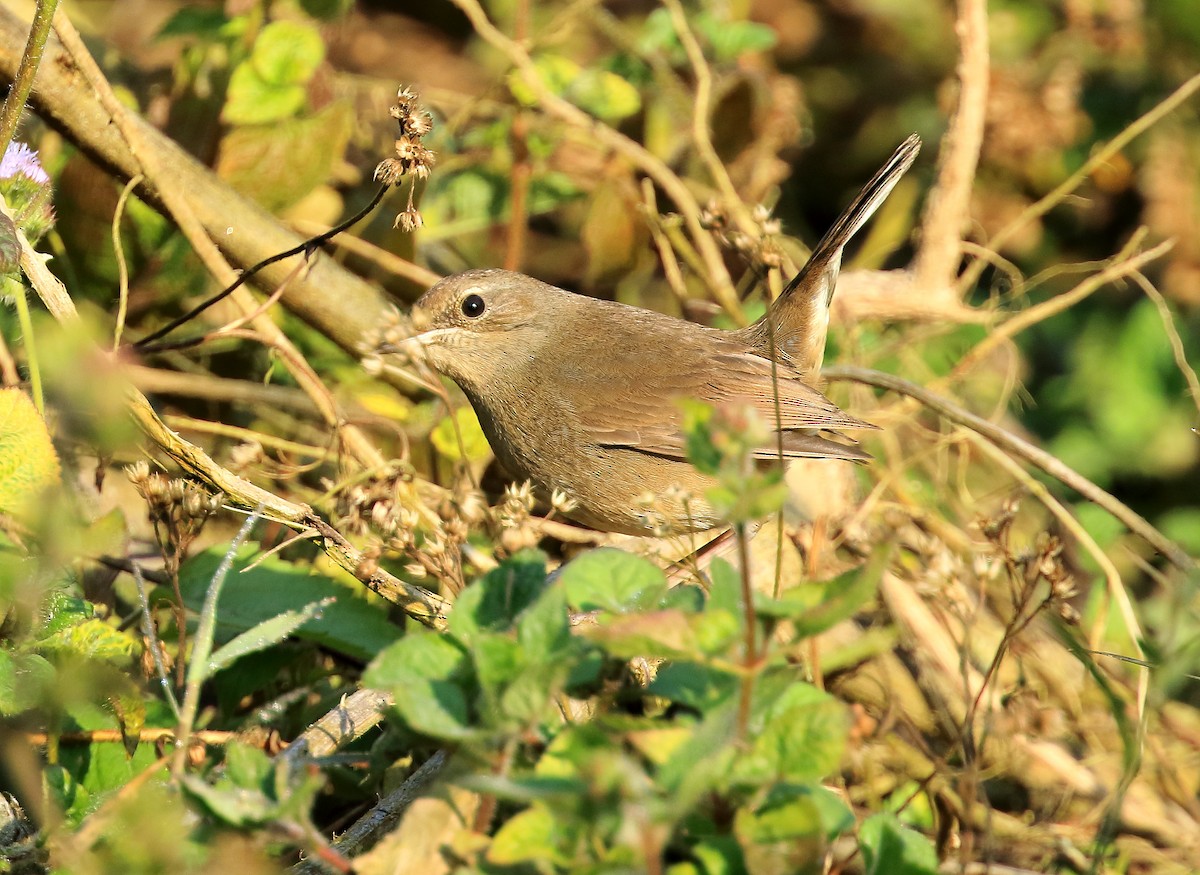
(948, 207)
(366, 832)
(715, 275)
(700, 121)
(1120, 268)
(1022, 449)
(122, 267)
(1101, 157)
(1168, 321)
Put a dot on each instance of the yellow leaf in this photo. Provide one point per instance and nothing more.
(474, 446)
(28, 462)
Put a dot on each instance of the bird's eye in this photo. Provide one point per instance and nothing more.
(473, 306)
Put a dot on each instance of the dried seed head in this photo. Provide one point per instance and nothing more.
(408, 221)
(562, 502)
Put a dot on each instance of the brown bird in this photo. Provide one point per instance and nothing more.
(581, 395)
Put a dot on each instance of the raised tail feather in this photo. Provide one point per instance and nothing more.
(800, 316)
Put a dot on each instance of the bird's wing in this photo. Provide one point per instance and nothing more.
(636, 416)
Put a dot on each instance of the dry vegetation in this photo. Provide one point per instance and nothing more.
(984, 642)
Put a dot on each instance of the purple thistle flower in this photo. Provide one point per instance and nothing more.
(20, 159)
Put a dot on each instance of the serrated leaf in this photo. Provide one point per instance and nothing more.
(493, 602)
(91, 639)
(612, 580)
(425, 655)
(265, 634)
(28, 462)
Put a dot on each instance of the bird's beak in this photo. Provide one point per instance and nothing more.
(411, 345)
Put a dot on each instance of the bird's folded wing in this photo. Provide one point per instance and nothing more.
(637, 417)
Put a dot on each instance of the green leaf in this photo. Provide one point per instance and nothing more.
(800, 735)
(658, 634)
(890, 848)
(464, 423)
(533, 835)
(718, 855)
(731, 39)
(350, 625)
(70, 797)
(265, 634)
(253, 101)
(605, 95)
(421, 654)
(247, 766)
(556, 72)
(195, 21)
(498, 662)
(544, 629)
(694, 685)
(287, 53)
(783, 835)
(232, 805)
(435, 708)
(61, 611)
(493, 602)
(813, 607)
(103, 768)
(23, 677)
(612, 580)
(91, 639)
(281, 163)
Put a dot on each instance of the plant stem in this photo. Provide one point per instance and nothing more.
(10, 116)
(16, 289)
(750, 663)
